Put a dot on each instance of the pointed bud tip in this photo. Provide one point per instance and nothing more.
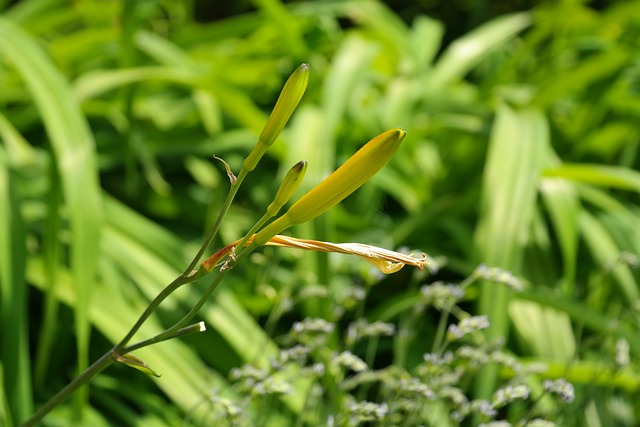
(289, 185)
(287, 102)
(401, 132)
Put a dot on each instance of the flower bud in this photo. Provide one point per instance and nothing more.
(288, 100)
(357, 170)
(289, 184)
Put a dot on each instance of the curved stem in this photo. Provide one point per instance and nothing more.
(93, 370)
(185, 276)
(266, 217)
(170, 332)
(168, 290)
(223, 213)
(106, 359)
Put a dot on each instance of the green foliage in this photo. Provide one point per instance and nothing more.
(521, 153)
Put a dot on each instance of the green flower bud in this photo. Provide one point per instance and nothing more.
(357, 170)
(287, 102)
(289, 184)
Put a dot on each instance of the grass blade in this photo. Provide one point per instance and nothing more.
(603, 175)
(72, 142)
(467, 51)
(605, 251)
(519, 142)
(14, 352)
(52, 254)
(562, 202)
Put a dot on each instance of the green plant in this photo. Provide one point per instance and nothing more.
(355, 172)
(342, 389)
(521, 153)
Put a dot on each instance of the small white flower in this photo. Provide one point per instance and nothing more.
(508, 394)
(561, 388)
(350, 361)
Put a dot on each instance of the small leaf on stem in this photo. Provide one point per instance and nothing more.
(135, 362)
(230, 174)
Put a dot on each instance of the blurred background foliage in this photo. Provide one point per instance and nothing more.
(522, 153)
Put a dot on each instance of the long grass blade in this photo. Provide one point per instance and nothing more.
(519, 142)
(605, 250)
(73, 145)
(562, 202)
(603, 175)
(52, 246)
(467, 51)
(14, 352)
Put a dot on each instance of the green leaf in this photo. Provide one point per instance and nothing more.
(518, 145)
(465, 53)
(598, 67)
(605, 251)
(19, 152)
(561, 200)
(14, 314)
(74, 149)
(546, 332)
(602, 175)
(135, 362)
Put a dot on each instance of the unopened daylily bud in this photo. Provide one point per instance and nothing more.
(289, 184)
(357, 170)
(287, 102)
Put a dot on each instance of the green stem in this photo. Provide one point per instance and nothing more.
(253, 230)
(185, 276)
(106, 359)
(277, 311)
(168, 290)
(223, 213)
(93, 370)
(438, 342)
(170, 332)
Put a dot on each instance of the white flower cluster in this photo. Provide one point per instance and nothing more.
(508, 394)
(350, 361)
(467, 326)
(499, 275)
(561, 388)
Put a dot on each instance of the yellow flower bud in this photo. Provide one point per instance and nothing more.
(289, 184)
(287, 102)
(357, 170)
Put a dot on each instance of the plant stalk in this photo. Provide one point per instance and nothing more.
(93, 370)
(107, 359)
(185, 276)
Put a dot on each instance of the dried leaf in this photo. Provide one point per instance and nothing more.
(232, 177)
